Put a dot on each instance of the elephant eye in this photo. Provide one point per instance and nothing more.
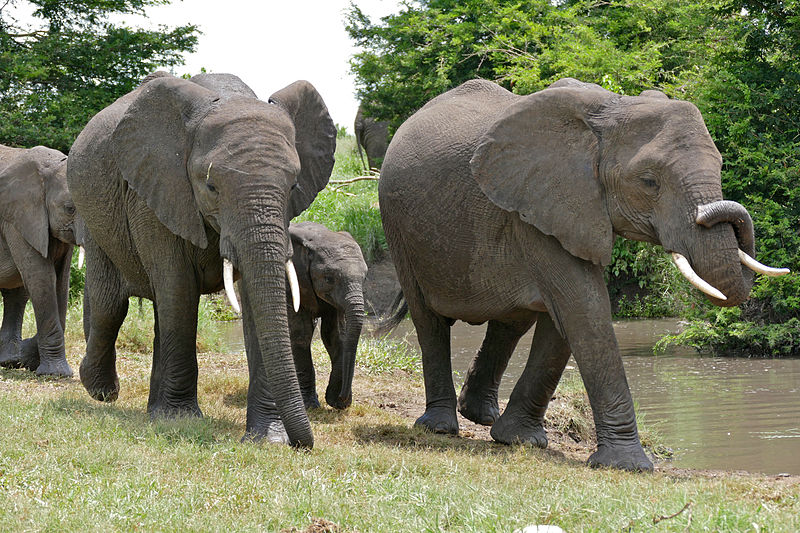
(211, 187)
(649, 181)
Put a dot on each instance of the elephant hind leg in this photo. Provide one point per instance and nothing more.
(107, 299)
(478, 398)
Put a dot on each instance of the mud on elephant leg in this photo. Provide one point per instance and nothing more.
(104, 310)
(301, 327)
(523, 419)
(478, 398)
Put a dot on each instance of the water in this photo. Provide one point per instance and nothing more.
(715, 413)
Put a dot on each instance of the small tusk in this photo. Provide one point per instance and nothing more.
(208, 172)
(81, 256)
(686, 269)
(291, 273)
(227, 276)
(755, 266)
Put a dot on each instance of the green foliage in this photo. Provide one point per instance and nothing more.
(71, 62)
(352, 207)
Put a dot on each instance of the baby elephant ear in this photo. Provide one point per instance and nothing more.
(22, 196)
(539, 159)
(151, 145)
(315, 141)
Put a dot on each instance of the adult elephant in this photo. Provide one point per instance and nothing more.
(503, 208)
(373, 137)
(36, 242)
(331, 271)
(184, 185)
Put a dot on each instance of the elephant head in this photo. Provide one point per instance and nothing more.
(642, 167)
(34, 196)
(239, 167)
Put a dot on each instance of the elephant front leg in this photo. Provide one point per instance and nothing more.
(14, 301)
(301, 331)
(478, 398)
(173, 379)
(263, 419)
(523, 419)
(582, 309)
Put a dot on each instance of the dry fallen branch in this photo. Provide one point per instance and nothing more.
(657, 519)
(353, 180)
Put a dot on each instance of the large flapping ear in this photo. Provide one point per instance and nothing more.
(151, 145)
(539, 159)
(315, 141)
(22, 197)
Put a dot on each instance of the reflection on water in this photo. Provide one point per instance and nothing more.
(716, 413)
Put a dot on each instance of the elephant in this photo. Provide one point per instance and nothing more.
(185, 186)
(37, 238)
(502, 208)
(373, 137)
(330, 271)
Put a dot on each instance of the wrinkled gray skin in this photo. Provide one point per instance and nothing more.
(331, 273)
(503, 208)
(373, 137)
(172, 178)
(36, 241)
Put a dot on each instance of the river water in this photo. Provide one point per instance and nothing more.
(714, 413)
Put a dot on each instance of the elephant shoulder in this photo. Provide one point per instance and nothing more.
(477, 89)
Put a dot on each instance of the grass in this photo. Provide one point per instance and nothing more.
(68, 463)
(352, 208)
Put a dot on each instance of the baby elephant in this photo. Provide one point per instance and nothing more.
(331, 273)
(37, 236)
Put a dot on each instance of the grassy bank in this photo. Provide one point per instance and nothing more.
(68, 463)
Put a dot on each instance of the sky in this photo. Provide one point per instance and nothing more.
(270, 44)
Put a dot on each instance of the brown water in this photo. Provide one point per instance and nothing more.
(715, 413)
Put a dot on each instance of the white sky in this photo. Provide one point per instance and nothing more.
(270, 44)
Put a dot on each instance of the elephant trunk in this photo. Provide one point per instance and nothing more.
(353, 322)
(262, 259)
(711, 214)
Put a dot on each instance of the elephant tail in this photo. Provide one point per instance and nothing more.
(397, 312)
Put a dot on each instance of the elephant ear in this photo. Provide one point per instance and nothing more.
(315, 141)
(539, 159)
(22, 199)
(151, 146)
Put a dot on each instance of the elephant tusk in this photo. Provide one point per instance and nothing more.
(755, 266)
(227, 276)
(291, 273)
(81, 256)
(686, 269)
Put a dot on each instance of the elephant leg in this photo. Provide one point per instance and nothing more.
(523, 419)
(478, 398)
(173, 377)
(105, 305)
(263, 419)
(301, 330)
(62, 285)
(14, 301)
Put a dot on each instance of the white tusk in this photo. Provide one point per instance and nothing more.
(755, 266)
(686, 269)
(291, 273)
(81, 257)
(227, 276)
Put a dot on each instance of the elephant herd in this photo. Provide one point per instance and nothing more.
(497, 208)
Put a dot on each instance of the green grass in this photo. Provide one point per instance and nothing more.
(353, 207)
(68, 463)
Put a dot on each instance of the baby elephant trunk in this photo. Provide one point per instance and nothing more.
(351, 332)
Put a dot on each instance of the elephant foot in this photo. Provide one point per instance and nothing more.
(518, 430)
(624, 457)
(479, 408)
(439, 420)
(272, 432)
(174, 409)
(57, 367)
(102, 385)
(337, 402)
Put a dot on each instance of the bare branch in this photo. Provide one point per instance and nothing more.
(657, 519)
(353, 180)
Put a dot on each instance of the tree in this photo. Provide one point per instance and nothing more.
(60, 69)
